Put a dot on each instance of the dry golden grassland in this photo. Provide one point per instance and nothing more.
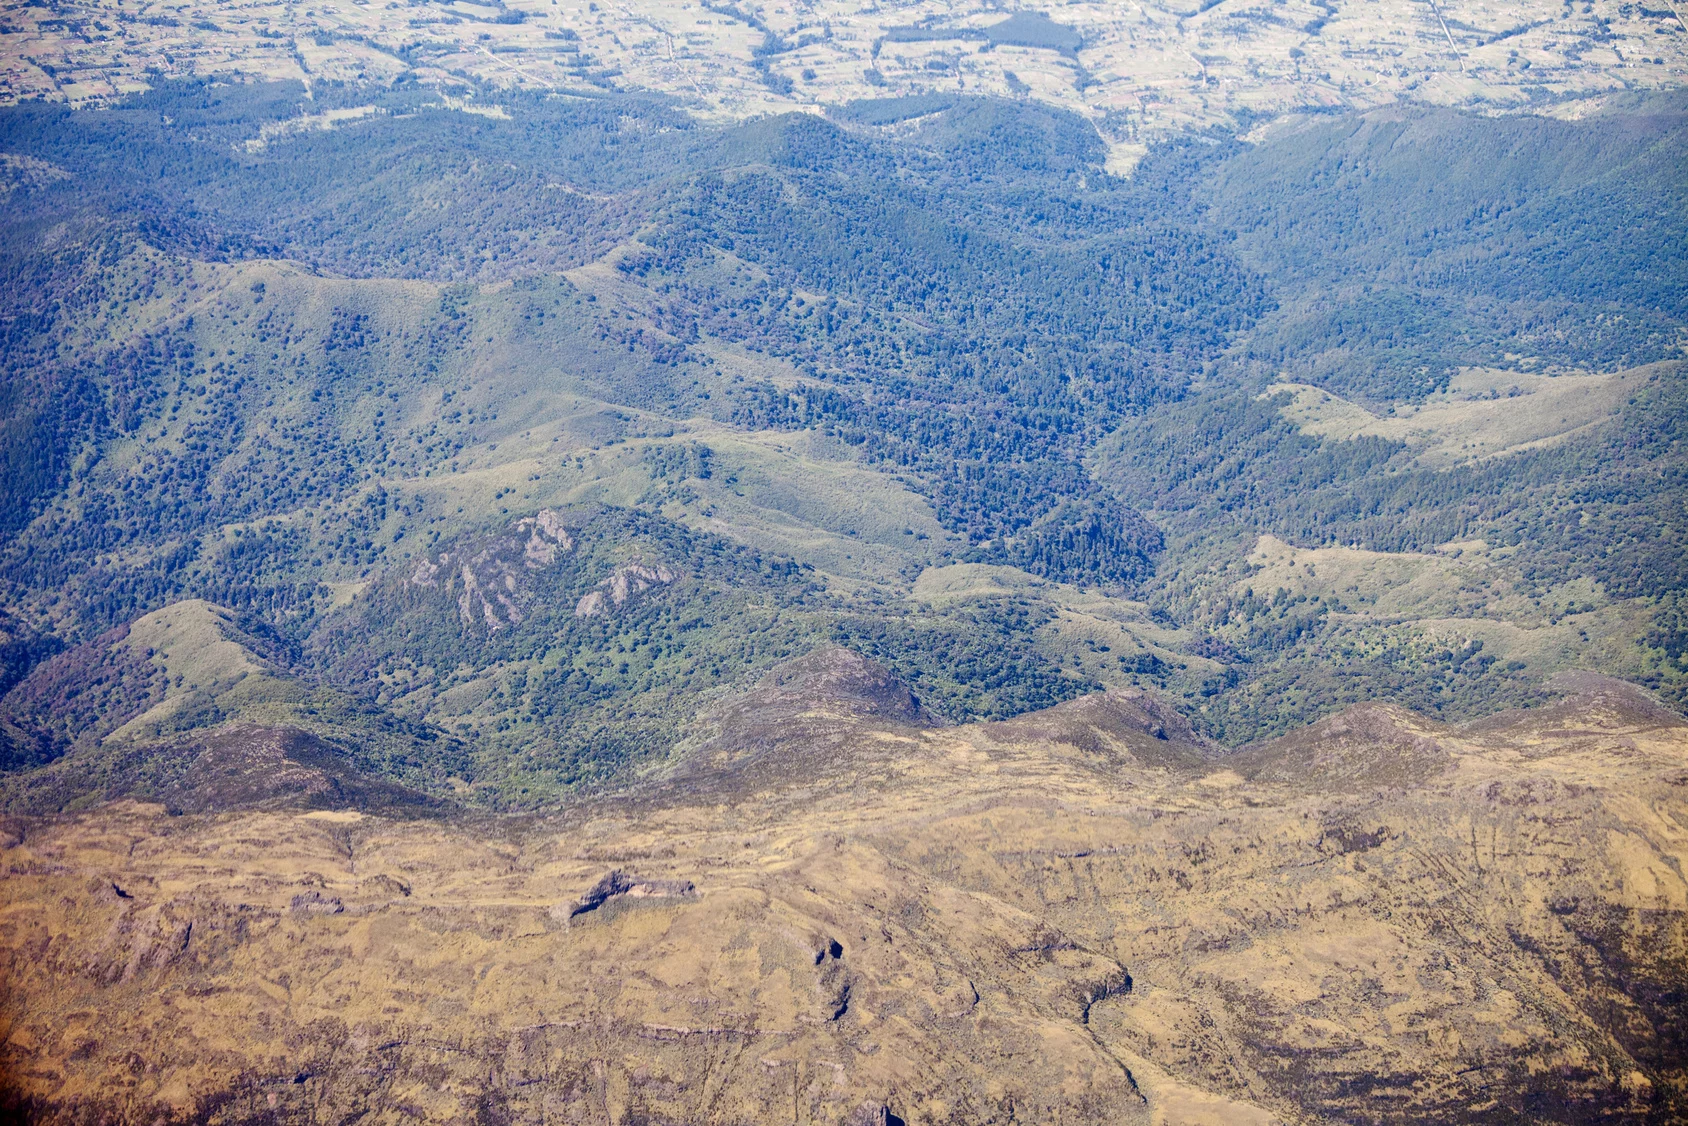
(1068, 914)
(1483, 413)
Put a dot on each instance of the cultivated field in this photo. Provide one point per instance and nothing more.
(1137, 69)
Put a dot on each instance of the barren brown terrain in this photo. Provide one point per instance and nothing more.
(834, 910)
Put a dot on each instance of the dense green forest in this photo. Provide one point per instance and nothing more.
(955, 398)
(1402, 250)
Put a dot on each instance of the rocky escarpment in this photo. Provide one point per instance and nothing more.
(490, 576)
(625, 582)
(485, 576)
(1004, 922)
(618, 885)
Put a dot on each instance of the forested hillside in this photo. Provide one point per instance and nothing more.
(1407, 244)
(510, 442)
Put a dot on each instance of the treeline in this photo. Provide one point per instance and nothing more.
(557, 700)
(1043, 351)
(976, 661)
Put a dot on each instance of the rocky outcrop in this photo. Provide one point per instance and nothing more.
(619, 884)
(873, 1114)
(316, 903)
(624, 583)
(547, 538)
(486, 575)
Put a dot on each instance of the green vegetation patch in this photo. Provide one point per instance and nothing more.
(974, 661)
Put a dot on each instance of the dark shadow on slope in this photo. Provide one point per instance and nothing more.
(239, 767)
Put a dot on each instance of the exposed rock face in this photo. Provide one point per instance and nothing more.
(618, 884)
(486, 577)
(316, 903)
(1003, 922)
(547, 538)
(623, 584)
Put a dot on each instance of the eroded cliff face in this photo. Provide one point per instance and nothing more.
(1081, 917)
